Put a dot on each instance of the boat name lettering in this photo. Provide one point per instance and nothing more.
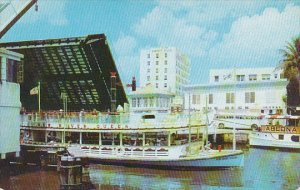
(292, 130)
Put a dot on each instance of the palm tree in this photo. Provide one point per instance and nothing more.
(291, 59)
(291, 70)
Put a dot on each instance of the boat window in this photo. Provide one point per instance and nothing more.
(148, 116)
(280, 137)
(295, 138)
(90, 138)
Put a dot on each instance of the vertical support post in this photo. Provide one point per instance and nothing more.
(46, 136)
(144, 136)
(100, 140)
(121, 139)
(189, 120)
(113, 92)
(80, 138)
(39, 96)
(206, 128)
(169, 138)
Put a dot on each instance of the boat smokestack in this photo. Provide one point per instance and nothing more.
(133, 86)
(113, 92)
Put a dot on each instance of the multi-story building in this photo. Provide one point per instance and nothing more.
(261, 89)
(10, 105)
(165, 68)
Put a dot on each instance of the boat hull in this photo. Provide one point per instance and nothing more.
(266, 140)
(212, 162)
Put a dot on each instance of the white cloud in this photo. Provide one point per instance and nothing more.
(127, 57)
(256, 40)
(125, 45)
(162, 25)
(128, 67)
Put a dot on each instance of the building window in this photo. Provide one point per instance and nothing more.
(166, 55)
(166, 62)
(148, 70)
(266, 76)
(166, 70)
(166, 78)
(250, 97)
(156, 85)
(240, 77)
(166, 85)
(216, 78)
(145, 102)
(156, 77)
(156, 62)
(133, 102)
(252, 77)
(148, 55)
(138, 102)
(210, 99)
(275, 76)
(151, 101)
(157, 56)
(156, 70)
(148, 62)
(11, 70)
(196, 99)
(148, 78)
(229, 98)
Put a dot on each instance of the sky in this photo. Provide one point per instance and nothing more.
(213, 34)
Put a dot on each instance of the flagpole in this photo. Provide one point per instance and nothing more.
(39, 95)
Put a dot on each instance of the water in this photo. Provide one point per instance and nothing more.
(264, 169)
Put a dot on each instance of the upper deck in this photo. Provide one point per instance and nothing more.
(109, 121)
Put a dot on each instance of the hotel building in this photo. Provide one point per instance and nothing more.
(258, 89)
(166, 69)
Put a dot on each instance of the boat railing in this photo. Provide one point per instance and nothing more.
(134, 151)
(171, 121)
(106, 121)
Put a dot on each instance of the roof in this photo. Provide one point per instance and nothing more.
(150, 90)
(80, 67)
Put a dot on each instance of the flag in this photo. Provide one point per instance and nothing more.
(34, 91)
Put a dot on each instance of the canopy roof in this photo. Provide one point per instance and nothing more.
(79, 67)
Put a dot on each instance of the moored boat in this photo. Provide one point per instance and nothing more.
(279, 132)
(162, 140)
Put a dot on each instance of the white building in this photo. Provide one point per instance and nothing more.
(164, 68)
(260, 89)
(10, 105)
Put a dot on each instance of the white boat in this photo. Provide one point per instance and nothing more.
(161, 140)
(241, 121)
(279, 131)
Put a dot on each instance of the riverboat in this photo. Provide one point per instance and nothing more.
(280, 131)
(162, 140)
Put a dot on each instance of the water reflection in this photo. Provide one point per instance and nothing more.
(137, 178)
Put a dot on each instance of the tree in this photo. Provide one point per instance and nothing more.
(291, 69)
